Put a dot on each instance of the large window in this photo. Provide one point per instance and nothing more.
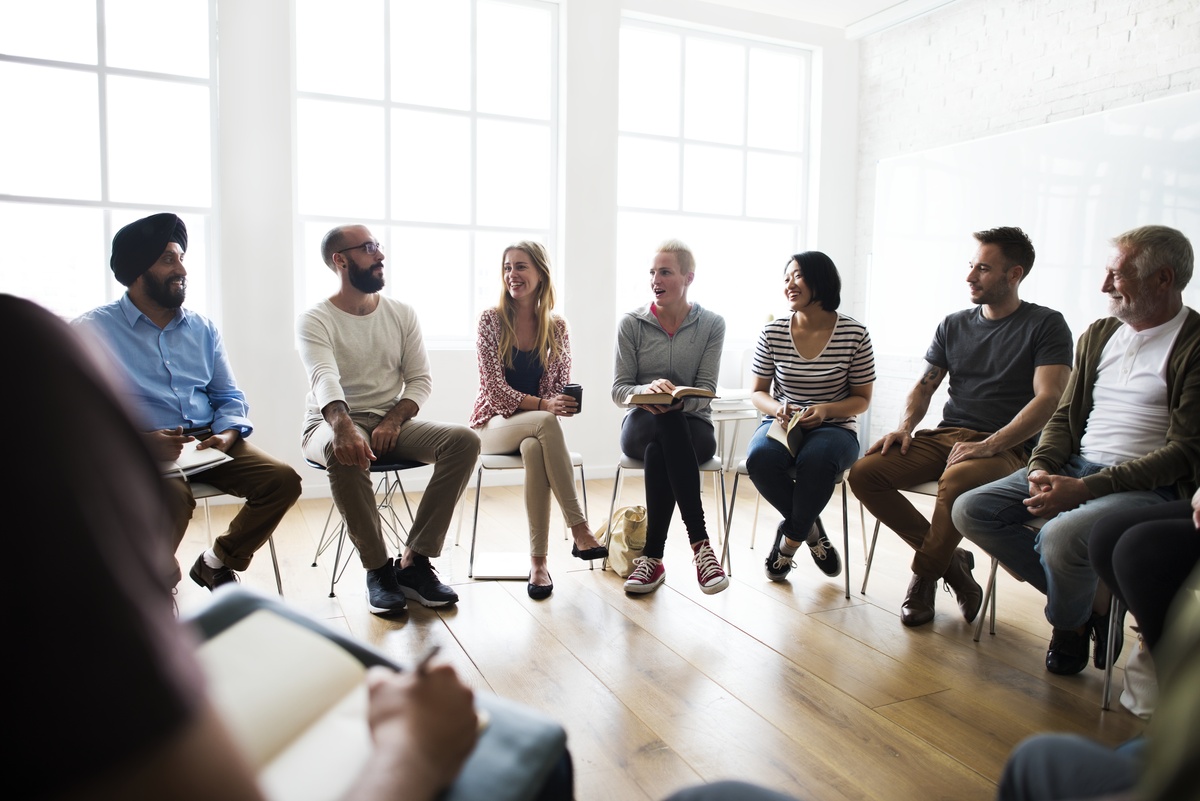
(713, 150)
(108, 109)
(435, 124)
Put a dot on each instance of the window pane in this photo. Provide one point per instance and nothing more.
(60, 30)
(714, 88)
(339, 47)
(158, 37)
(514, 60)
(431, 53)
(59, 156)
(417, 272)
(649, 82)
(773, 186)
(340, 157)
(80, 276)
(712, 179)
(514, 181)
(431, 167)
(776, 99)
(739, 265)
(158, 142)
(647, 173)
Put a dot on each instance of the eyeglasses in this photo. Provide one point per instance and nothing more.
(369, 246)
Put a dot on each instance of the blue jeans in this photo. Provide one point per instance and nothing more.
(825, 453)
(1054, 559)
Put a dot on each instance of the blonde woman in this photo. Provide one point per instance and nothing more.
(524, 362)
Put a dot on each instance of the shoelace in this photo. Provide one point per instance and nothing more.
(783, 562)
(643, 570)
(818, 550)
(706, 563)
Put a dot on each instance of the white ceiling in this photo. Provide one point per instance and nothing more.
(857, 17)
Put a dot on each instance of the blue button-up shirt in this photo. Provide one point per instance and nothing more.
(175, 376)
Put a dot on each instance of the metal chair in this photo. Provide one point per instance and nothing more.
(928, 488)
(1115, 613)
(385, 490)
(727, 559)
(713, 466)
(202, 492)
(507, 461)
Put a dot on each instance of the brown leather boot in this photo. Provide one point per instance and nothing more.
(917, 609)
(966, 588)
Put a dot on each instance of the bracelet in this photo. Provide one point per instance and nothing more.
(539, 404)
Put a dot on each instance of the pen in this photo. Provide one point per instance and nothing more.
(423, 665)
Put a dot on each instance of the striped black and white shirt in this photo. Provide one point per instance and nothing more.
(847, 360)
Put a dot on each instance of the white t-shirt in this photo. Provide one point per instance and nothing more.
(1129, 416)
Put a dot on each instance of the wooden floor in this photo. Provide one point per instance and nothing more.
(789, 685)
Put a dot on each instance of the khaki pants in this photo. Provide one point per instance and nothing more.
(538, 437)
(877, 480)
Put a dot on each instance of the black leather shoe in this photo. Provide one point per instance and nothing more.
(966, 588)
(917, 609)
(1068, 653)
(599, 552)
(212, 577)
(1099, 626)
(540, 592)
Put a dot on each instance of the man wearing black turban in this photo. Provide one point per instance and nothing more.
(179, 383)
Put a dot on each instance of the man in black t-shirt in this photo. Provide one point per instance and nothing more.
(1008, 363)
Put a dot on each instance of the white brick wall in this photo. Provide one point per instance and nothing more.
(984, 67)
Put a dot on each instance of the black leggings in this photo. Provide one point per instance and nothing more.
(1144, 556)
(671, 446)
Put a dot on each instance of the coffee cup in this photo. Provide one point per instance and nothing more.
(576, 392)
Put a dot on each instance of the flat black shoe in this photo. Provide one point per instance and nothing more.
(1068, 652)
(540, 592)
(599, 552)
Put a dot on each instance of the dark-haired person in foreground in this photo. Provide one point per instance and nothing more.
(121, 706)
(1008, 362)
(178, 381)
(1126, 435)
(819, 364)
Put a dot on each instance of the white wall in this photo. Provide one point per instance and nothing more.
(258, 246)
(984, 67)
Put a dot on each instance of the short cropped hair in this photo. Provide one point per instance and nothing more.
(1154, 247)
(1014, 245)
(332, 242)
(821, 276)
(683, 255)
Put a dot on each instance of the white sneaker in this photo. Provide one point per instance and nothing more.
(708, 570)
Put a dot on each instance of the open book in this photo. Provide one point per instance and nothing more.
(669, 397)
(294, 701)
(192, 461)
(787, 434)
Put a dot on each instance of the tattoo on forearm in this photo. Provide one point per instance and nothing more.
(932, 375)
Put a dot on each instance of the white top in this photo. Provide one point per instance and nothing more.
(370, 361)
(1130, 414)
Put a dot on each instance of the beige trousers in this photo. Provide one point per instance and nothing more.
(538, 437)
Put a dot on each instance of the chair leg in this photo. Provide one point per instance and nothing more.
(870, 557)
(275, 564)
(862, 524)
(1113, 624)
(846, 538)
(612, 507)
(583, 486)
(725, 559)
(724, 516)
(754, 523)
(207, 522)
(989, 594)
(475, 524)
(326, 539)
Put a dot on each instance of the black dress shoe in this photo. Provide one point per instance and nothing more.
(1099, 626)
(917, 608)
(540, 592)
(966, 588)
(1068, 652)
(599, 552)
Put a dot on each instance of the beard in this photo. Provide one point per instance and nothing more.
(167, 294)
(1132, 311)
(364, 280)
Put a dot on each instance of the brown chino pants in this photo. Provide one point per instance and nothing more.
(877, 480)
